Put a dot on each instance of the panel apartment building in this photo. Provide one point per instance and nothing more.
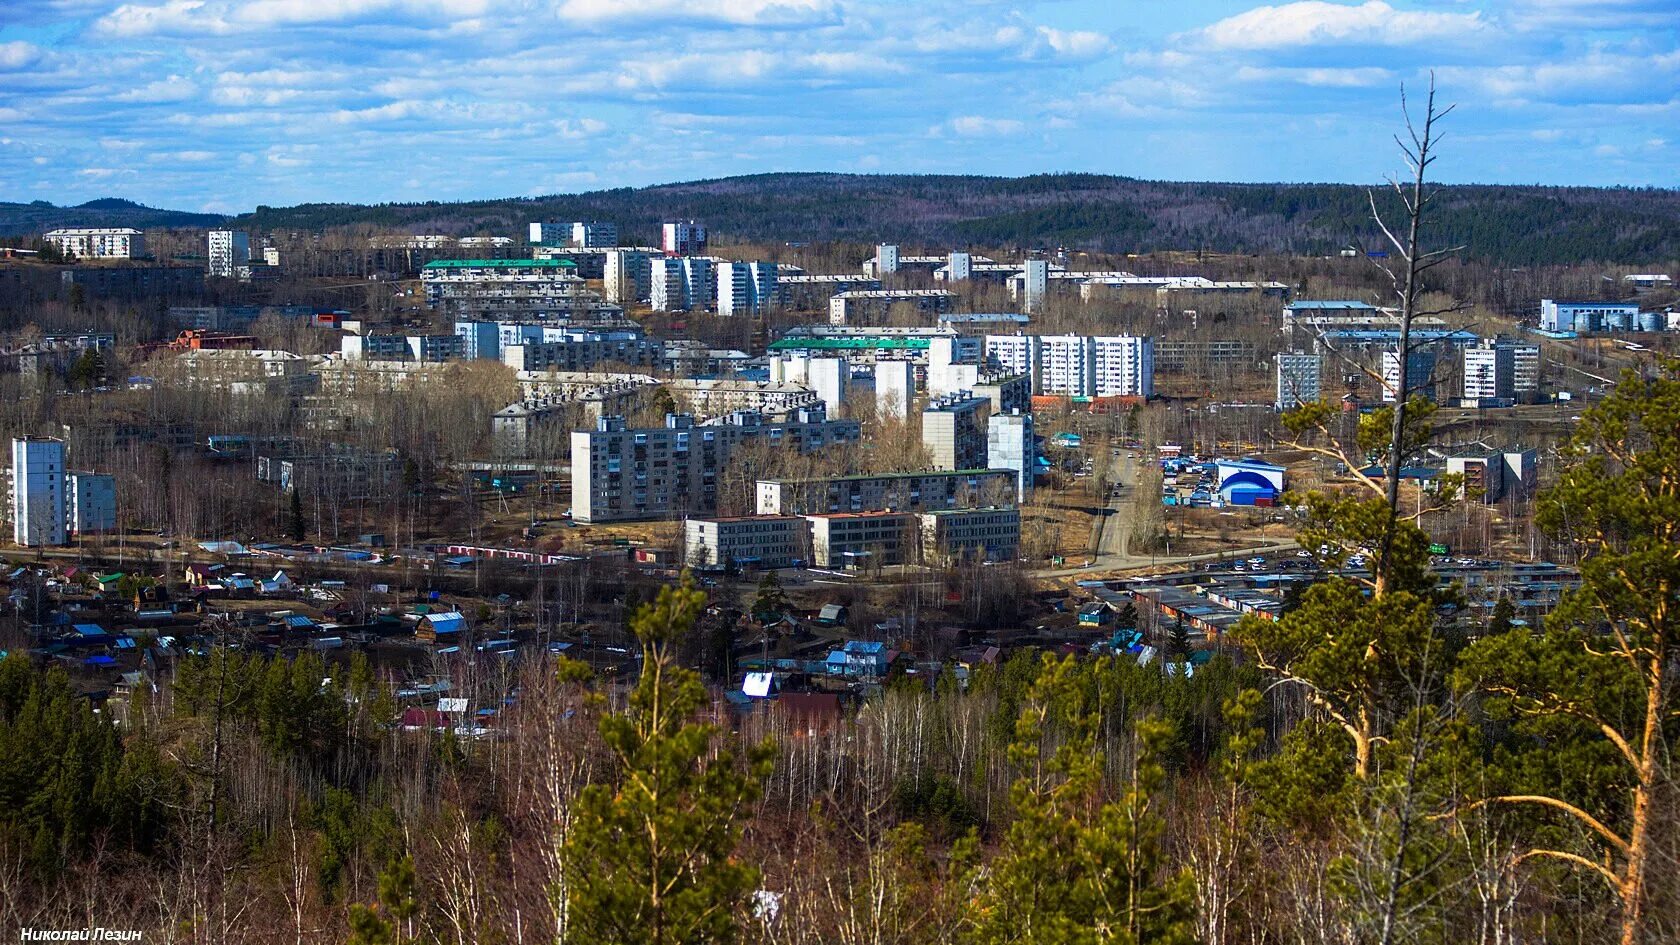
(1078, 366)
(99, 243)
(48, 503)
(907, 491)
(623, 474)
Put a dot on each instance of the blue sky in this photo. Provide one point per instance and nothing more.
(224, 104)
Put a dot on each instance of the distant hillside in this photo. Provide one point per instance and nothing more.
(1511, 225)
(20, 219)
(1514, 225)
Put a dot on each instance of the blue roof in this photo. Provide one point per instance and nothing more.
(1329, 303)
(89, 629)
(863, 646)
(299, 620)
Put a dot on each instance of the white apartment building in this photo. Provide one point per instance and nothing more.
(626, 276)
(1010, 445)
(593, 234)
(830, 378)
(226, 251)
(681, 283)
(745, 288)
(895, 388)
(1420, 374)
(1299, 379)
(1078, 366)
(99, 243)
(683, 238)
(859, 539)
(622, 474)
(864, 306)
(1035, 283)
(1489, 375)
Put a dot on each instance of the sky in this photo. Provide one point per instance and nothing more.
(221, 105)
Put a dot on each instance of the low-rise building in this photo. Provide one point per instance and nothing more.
(760, 541)
(905, 491)
(952, 536)
(861, 306)
(98, 242)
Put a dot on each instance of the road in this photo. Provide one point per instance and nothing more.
(1112, 537)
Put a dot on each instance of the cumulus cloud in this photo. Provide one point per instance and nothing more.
(1321, 23)
(778, 13)
(18, 55)
(978, 126)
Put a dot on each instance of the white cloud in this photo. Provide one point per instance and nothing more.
(978, 126)
(1320, 23)
(18, 55)
(1351, 78)
(766, 13)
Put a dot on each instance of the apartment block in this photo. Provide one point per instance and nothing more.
(907, 491)
(762, 541)
(681, 283)
(621, 474)
(1489, 376)
(584, 353)
(99, 243)
(38, 484)
(226, 252)
(683, 238)
(952, 536)
(1420, 374)
(627, 276)
(860, 539)
(1078, 366)
(866, 307)
(1010, 445)
(954, 431)
(1300, 379)
(745, 288)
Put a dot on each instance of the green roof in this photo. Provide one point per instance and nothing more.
(501, 264)
(847, 344)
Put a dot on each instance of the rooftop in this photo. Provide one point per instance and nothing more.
(501, 264)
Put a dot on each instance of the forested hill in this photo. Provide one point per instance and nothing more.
(41, 216)
(1515, 225)
(1508, 224)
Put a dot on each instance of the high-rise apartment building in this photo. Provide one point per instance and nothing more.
(626, 275)
(38, 504)
(683, 238)
(680, 283)
(1078, 366)
(226, 252)
(1420, 374)
(1300, 379)
(1010, 445)
(1489, 375)
(745, 288)
(954, 431)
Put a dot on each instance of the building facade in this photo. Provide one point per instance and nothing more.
(99, 243)
(761, 541)
(1300, 379)
(1010, 445)
(226, 252)
(908, 491)
(683, 238)
(1078, 366)
(621, 474)
(954, 431)
(38, 485)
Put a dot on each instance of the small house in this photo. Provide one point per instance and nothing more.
(443, 627)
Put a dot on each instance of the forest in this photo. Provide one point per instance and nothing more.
(1371, 767)
(1509, 225)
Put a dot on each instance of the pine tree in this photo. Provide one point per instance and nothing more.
(771, 601)
(1074, 869)
(297, 529)
(1592, 698)
(652, 855)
